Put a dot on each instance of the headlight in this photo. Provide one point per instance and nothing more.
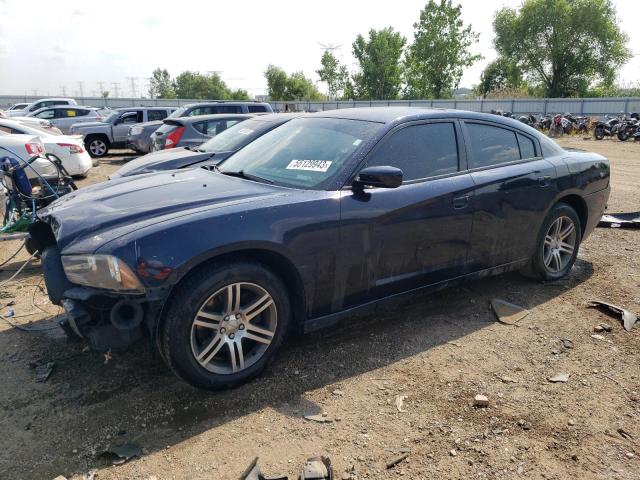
(135, 130)
(101, 271)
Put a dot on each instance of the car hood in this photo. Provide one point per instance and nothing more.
(161, 160)
(108, 210)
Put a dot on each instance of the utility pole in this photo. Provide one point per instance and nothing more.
(133, 81)
(64, 90)
(148, 86)
(101, 87)
(35, 92)
(329, 47)
(81, 88)
(116, 89)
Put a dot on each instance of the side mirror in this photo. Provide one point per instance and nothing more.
(381, 177)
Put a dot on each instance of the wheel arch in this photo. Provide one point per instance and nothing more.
(275, 261)
(580, 206)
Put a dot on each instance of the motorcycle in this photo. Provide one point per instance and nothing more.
(557, 126)
(628, 127)
(606, 129)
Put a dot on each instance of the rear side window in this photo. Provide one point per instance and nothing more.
(527, 148)
(156, 115)
(257, 108)
(491, 145)
(46, 114)
(200, 126)
(420, 151)
(228, 109)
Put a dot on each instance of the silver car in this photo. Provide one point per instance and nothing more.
(63, 117)
(193, 131)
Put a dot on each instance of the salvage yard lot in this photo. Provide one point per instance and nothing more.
(438, 351)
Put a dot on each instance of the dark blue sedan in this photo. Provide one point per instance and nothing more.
(312, 222)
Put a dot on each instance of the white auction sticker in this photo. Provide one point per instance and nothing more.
(245, 131)
(310, 165)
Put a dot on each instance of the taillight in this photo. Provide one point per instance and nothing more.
(173, 138)
(72, 148)
(34, 148)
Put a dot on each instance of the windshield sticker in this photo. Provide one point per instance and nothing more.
(245, 131)
(357, 142)
(310, 165)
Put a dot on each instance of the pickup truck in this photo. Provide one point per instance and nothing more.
(112, 132)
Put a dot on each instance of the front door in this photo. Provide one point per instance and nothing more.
(393, 240)
(122, 125)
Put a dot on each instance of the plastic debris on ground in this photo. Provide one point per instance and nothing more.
(628, 318)
(253, 473)
(508, 313)
(317, 468)
(620, 220)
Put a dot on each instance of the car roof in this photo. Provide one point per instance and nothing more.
(277, 117)
(394, 115)
(216, 116)
(224, 102)
(125, 109)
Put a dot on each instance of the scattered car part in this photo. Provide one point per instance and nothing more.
(43, 371)
(319, 418)
(317, 468)
(628, 318)
(508, 313)
(393, 462)
(253, 473)
(560, 378)
(620, 220)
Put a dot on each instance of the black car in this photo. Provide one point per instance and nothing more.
(210, 152)
(312, 222)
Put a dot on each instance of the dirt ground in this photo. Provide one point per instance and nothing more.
(438, 351)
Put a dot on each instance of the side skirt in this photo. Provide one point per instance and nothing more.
(325, 321)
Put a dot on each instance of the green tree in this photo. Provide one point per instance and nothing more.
(499, 75)
(161, 85)
(239, 94)
(380, 76)
(439, 52)
(276, 83)
(198, 86)
(333, 74)
(296, 86)
(563, 45)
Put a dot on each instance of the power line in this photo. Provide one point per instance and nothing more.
(116, 89)
(133, 81)
(63, 88)
(329, 47)
(81, 88)
(101, 87)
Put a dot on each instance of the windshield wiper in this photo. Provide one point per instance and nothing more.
(243, 174)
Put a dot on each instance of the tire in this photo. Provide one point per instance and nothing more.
(622, 136)
(544, 264)
(198, 335)
(598, 132)
(97, 146)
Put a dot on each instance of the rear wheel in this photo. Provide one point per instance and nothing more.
(557, 245)
(225, 324)
(623, 136)
(97, 146)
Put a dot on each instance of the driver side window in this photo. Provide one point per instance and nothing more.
(420, 151)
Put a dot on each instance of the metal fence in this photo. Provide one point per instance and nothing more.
(538, 106)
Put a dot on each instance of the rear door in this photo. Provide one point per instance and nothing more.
(396, 239)
(513, 186)
(65, 117)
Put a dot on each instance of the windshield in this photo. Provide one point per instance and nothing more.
(112, 117)
(304, 153)
(236, 136)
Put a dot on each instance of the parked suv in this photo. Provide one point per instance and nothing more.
(65, 116)
(211, 108)
(112, 131)
(37, 105)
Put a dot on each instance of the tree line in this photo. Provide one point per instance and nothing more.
(546, 48)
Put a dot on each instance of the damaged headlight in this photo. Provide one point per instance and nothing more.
(101, 271)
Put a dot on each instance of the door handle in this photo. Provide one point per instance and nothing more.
(461, 202)
(544, 180)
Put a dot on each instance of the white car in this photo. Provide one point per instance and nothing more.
(24, 147)
(69, 149)
(37, 105)
(18, 106)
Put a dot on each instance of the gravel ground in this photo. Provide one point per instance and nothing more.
(438, 352)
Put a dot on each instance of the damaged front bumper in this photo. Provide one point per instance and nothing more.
(106, 320)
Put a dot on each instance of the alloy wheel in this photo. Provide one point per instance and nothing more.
(559, 244)
(98, 147)
(233, 328)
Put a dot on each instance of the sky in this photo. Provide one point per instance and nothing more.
(48, 47)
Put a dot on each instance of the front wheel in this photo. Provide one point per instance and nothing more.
(97, 146)
(598, 132)
(557, 244)
(623, 136)
(225, 324)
